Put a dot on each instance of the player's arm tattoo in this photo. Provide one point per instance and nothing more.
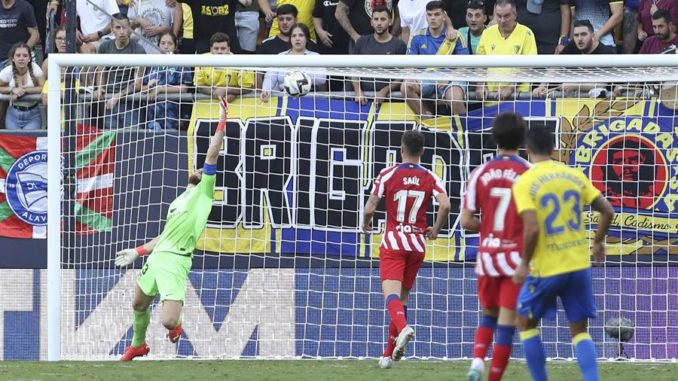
(370, 208)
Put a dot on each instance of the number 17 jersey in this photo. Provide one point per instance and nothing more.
(407, 189)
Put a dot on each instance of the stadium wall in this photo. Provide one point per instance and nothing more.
(312, 313)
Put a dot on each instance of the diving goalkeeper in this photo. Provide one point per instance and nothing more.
(166, 271)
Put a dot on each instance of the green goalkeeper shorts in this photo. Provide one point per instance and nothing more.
(165, 274)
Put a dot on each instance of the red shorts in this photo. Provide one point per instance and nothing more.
(495, 292)
(400, 265)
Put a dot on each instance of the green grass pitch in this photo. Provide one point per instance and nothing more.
(301, 370)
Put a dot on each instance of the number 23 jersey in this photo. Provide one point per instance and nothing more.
(557, 194)
(407, 189)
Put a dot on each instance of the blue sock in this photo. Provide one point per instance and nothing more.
(534, 354)
(488, 321)
(586, 356)
(504, 335)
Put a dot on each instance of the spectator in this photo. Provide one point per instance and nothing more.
(630, 27)
(304, 16)
(59, 47)
(165, 115)
(247, 24)
(123, 5)
(186, 44)
(219, 82)
(287, 19)
(274, 80)
(354, 17)
(152, 18)
(647, 9)
(664, 36)
(582, 43)
(211, 16)
(40, 11)
(332, 38)
(475, 21)
(94, 22)
(549, 20)
(456, 9)
(379, 42)
(22, 77)
(432, 41)
(413, 18)
(115, 83)
(506, 37)
(17, 24)
(604, 15)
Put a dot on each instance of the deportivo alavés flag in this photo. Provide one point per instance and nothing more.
(23, 186)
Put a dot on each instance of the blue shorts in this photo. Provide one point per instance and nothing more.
(538, 296)
(430, 89)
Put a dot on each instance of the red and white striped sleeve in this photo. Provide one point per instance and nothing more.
(380, 182)
(438, 185)
(470, 195)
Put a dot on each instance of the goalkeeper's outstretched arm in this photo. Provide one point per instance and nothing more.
(218, 138)
(128, 256)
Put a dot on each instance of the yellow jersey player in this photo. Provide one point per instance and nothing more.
(550, 198)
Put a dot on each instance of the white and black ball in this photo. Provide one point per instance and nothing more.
(620, 328)
(297, 83)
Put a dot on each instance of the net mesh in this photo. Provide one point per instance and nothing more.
(282, 270)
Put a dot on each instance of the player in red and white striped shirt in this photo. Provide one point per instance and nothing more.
(407, 189)
(501, 243)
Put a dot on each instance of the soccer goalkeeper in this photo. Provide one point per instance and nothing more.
(166, 271)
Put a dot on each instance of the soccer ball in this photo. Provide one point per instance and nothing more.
(620, 328)
(297, 83)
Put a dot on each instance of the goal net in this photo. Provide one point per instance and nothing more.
(282, 269)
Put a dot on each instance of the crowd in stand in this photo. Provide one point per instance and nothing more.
(308, 27)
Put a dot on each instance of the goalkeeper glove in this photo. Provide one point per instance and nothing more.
(128, 256)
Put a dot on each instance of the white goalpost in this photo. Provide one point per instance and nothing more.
(282, 269)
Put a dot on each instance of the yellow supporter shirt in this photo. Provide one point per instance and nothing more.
(187, 25)
(520, 42)
(557, 193)
(211, 76)
(305, 16)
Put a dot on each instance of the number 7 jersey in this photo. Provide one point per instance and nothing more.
(488, 191)
(407, 189)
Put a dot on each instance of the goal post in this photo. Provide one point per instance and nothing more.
(282, 270)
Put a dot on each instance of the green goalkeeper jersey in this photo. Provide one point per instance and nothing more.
(187, 218)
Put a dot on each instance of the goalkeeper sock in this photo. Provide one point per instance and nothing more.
(390, 343)
(141, 320)
(501, 352)
(534, 354)
(484, 336)
(586, 356)
(396, 311)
